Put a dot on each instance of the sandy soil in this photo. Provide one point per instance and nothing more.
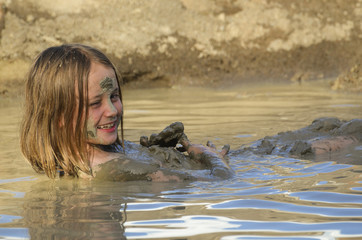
(186, 42)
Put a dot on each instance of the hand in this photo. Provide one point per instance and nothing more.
(197, 150)
(209, 156)
(168, 137)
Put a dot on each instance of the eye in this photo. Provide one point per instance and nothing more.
(95, 104)
(115, 96)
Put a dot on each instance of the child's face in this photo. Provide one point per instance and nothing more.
(104, 104)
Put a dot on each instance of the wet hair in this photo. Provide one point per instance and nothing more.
(53, 135)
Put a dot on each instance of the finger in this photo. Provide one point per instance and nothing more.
(181, 149)
(184, 141)
(144, 141)
(211, 145)
(225, 149)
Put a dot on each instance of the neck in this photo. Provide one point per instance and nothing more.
(113, 148)
(104, 153)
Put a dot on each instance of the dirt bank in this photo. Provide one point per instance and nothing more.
(186, 42)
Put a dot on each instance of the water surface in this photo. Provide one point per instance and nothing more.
(271, 197)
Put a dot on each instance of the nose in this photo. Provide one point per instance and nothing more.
(110, 110)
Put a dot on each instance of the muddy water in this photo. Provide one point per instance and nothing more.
(271, 197)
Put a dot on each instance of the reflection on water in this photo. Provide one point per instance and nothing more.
(271, 197)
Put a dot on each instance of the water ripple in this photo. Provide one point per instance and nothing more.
(288, 207)
(328, 197)
(202, 224)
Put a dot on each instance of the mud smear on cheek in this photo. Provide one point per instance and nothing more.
(107, 84)
(91, 130)
(91, 134)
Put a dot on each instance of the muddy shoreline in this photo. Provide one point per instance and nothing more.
(158, 43)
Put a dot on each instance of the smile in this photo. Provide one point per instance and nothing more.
(107, 126)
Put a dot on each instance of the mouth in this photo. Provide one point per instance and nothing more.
(108, 126)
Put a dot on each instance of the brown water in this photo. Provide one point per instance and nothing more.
(271, 197)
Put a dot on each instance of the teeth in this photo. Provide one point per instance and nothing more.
(106, 126)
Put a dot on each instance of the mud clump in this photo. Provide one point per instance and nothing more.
(163, 145)
(168, 137)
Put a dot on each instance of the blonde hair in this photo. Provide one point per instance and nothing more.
(53, 132)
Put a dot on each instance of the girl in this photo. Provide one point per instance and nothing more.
(73, 108)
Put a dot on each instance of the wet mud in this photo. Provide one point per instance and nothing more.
(169, 144)
(142, 161)
(139, 162)
(166, 147)
(319, 140)
(168, 137)
(324, 139)
(107, 84)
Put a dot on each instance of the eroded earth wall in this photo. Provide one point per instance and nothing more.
(187, 42)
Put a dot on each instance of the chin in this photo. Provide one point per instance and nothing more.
(103, 141)
(108, 141)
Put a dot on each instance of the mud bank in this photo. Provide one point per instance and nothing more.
(183, 42)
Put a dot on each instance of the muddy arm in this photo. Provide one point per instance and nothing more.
(209, 157)
(125, 169)
(332, 144)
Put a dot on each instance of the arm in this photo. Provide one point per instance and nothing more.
(209, 156)
(332, 144)
(131, 168)
(125, 169)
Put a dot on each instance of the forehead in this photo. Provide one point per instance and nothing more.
(101, 76)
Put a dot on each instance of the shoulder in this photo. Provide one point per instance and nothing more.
(124, 168)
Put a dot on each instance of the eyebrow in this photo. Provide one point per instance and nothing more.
(116, 89)
(96, 96)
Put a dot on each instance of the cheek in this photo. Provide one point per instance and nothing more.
(91, 129)
(118, 105)
(91, 124)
